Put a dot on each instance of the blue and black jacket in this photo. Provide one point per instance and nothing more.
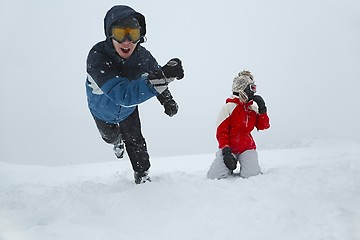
(115, 86)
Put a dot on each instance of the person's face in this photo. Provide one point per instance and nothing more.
(250, 90)
(124, 49)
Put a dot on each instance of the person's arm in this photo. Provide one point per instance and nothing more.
(223, 125)
(165, 98)
(223, 135)
(262, 121)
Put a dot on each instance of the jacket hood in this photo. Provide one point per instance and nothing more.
(120, 12)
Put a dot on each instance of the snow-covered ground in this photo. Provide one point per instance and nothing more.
(310, 192)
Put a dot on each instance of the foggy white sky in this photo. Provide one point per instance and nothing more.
(304, 55)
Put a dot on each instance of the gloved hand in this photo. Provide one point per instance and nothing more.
(160, 79)
(229, 159)
(171, 107)
(261, 104)
(173, 68)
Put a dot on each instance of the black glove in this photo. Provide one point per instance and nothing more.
(171, 107)
(160, 79)
(166, 99)
(173, 68)
(261, 104)
(229, 159)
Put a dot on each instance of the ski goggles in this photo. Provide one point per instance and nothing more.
(120, 34)
(252, 87)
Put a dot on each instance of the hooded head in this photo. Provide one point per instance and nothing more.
(122, 13)
(240, 84)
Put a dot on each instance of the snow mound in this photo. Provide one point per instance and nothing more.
(304, 193)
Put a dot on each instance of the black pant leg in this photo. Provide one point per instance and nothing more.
(135, 142)
(110, 132)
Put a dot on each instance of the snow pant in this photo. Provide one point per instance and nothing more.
(249, 165)
(129, 131)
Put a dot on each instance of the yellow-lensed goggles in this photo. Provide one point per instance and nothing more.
(120, 34)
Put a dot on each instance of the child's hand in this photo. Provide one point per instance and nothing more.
(229, 159)
(261, 104)
(171, 107)
(173, 68)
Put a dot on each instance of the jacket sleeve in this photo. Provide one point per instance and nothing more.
(262, 121)
(153, 67)
(120, 90)
(223, 126)
(128, 93)
(164, 96)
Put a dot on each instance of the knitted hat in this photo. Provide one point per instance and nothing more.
(241, 81)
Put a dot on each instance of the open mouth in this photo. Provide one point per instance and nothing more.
(125, 50)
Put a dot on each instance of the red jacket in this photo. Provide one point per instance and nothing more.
(235, 123)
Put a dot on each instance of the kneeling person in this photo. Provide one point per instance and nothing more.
(236, 120)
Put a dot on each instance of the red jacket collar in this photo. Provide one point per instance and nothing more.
(237, 101)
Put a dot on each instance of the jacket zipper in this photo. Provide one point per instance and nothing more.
(247, 116)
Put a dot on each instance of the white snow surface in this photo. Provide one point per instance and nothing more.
(308, 192)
